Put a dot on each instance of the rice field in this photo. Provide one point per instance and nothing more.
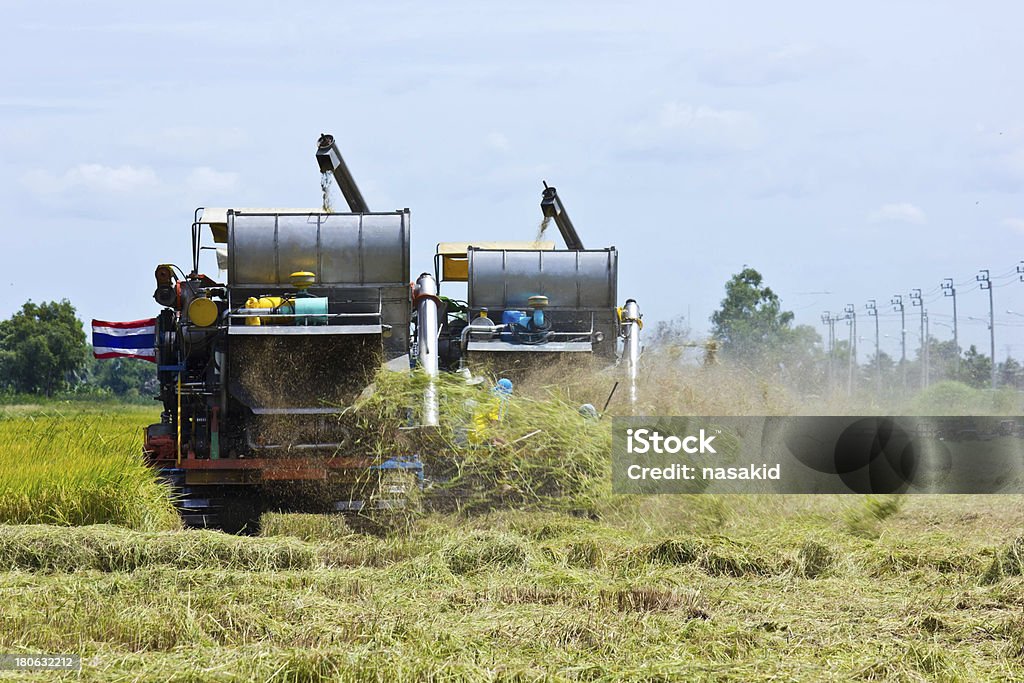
(523, 566)
(739, 589)
(77, 464)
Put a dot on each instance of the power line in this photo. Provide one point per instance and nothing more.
(947, 288)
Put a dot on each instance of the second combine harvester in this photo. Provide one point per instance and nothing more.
(254, 369)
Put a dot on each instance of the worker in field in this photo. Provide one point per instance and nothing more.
(490, 412)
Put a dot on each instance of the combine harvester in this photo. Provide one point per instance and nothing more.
(253, 371)
(527, 300)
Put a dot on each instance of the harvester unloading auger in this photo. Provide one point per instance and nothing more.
(255, 370)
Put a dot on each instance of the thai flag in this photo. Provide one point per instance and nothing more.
(135, 339)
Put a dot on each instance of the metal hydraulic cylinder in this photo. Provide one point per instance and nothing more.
(631, 353)
(427, 329)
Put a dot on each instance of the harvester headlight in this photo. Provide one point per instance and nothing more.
(202, 312)
(166, 296)
(165, 293)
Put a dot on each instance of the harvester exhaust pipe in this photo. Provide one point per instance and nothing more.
(552, 207)
(427, 313)
(633, 323)
(331, 161)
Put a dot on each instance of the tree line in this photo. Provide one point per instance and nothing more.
(751, 328)
(44, 352)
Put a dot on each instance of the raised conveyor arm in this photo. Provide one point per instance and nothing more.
(331, 161)
(552, 207)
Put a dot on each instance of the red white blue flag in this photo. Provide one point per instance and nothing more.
(135, 339)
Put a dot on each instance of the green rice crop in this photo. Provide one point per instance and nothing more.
(80, 466)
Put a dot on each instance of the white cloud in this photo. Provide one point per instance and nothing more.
(207, 180)
(765, 66)
(1015, 224)
(903, 212)
(93, 179)
(680, 128)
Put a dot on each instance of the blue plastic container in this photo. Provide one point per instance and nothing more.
(513, 318)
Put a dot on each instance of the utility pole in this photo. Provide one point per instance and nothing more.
(897, 305)
(927, 351)
(873, 312)
(985, 283)
(827, 319)
(949, 290)
(916, 300)
(851, 353)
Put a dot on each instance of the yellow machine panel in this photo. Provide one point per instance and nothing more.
(455, 262)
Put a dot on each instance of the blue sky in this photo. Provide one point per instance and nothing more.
(860, 150)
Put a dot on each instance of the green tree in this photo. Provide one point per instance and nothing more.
(129, 378)
(751, 320)
(942, 357)
(869, 372)
(976, 368)
(41, 347)
(800, 357)
(1011, 374)
(752, 327)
